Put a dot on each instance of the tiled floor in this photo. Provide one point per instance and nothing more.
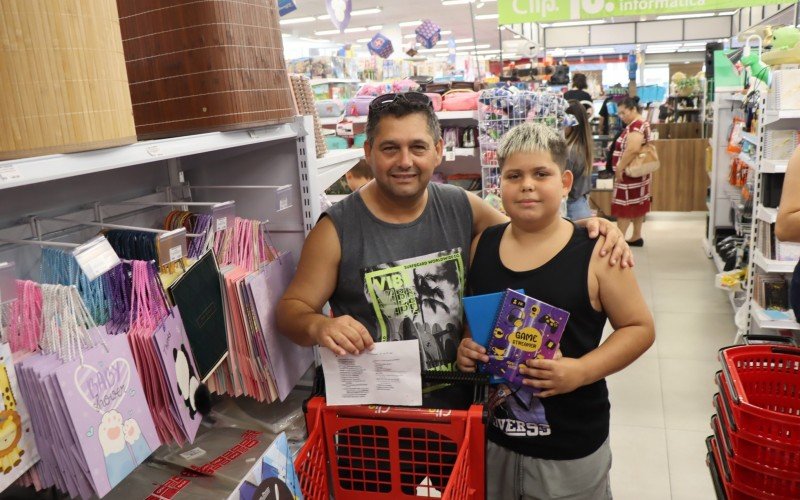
(661, 404)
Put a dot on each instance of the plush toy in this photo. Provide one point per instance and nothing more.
(785, 47)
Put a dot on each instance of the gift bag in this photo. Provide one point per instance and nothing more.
(87, 405)
(18, 450)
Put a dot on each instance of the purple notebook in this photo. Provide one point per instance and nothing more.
(526, 328)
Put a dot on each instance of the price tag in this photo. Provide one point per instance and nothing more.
(154, 150)
(193, 454)
(9, 173)
(450, 154)
(172, 246)
(283, 197)
(223, 213)
(8, 282)
(96, 257)
(257, 133)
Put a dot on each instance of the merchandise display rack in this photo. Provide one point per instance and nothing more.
(758, 321)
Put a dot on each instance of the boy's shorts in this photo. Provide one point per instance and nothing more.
(511, 476)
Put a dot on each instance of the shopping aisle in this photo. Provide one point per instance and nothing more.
(661, 405)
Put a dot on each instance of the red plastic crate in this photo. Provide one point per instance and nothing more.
(759, 450)
(763, 384)
(748, 476)
(383, 452)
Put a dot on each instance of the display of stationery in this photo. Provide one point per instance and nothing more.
(88, 408)
(525, 329)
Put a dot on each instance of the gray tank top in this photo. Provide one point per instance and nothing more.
(406, 281)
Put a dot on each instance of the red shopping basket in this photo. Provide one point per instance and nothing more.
(742, 473)
(763, 384)
(724, 489)
(385, 452)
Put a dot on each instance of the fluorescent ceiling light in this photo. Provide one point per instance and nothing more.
(684, 16)
(355, 30)
(691, 49)
(660, 51)
(410, 36)
(577, 23)
(327, 32)
(463, 40)
(298, 20)
(484, 17)
(376, 27)
(694, 44)
(447, 32)
(409, 23)
(485, 52)
(360, 12)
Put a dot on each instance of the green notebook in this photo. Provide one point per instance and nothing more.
(199, 299)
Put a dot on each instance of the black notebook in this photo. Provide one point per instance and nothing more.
(198, 295)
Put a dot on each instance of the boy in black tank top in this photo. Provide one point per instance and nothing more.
(554, 444)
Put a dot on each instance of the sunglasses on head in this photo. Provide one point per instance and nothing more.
(384, 100)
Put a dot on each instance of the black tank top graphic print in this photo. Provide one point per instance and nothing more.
(567, 426)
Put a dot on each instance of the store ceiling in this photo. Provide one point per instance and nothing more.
(450, 15)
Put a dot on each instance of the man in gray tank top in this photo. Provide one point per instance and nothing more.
(391, 258)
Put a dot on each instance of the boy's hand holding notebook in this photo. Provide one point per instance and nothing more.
(523, 328)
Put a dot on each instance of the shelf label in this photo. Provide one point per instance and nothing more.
(450, 153)
(9, 173)
(8, 282)
(283, 198)
(193, 454)
(154, 150)
(96, 257)
(224, 214)
(172, 246)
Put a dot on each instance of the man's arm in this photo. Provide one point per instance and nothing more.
(787, 228)
(299, 314)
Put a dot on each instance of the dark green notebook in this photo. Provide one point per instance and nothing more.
(198, 296)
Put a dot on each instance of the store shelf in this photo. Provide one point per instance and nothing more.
(751, 138)
(335, 164)
(464, 152)
(26, 171)
(442, 115)
(749, 160)
(457, 115)
(774, 166)
(771, 117)
(718, 262)
(767, 214)
(773, 266)
(764, 320)
(330, 120)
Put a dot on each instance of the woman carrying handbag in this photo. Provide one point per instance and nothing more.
(631, 201)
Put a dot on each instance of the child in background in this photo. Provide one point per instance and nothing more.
(554, 444)
(359, 175)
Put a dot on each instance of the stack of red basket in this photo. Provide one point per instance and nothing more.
(755, 450)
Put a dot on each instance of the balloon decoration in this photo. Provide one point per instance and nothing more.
(339, 10)
(428, 34)
(381, 46)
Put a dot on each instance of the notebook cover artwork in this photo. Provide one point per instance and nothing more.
(198, 296)
(481, 311)
(526, 328)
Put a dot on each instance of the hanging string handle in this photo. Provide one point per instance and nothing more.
(25, 322)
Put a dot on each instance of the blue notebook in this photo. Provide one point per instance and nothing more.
(481, 311)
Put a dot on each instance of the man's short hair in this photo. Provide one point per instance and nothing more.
(532, 137)
(398, 109)
(361, 170)
(579, 81)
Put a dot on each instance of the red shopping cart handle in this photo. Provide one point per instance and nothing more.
(728, 352)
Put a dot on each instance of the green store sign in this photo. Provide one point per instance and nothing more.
(527, 11)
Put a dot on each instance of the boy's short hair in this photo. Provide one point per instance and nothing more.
(400, 108)
(531, 137)
(361, 170)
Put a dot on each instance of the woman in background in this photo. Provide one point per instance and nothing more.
(631, 201)
(579, 162)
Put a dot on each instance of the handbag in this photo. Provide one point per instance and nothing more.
(436, 100)
(646, 162)
(460, 100)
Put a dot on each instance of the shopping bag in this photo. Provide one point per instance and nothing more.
(646, 162)
(18, 450)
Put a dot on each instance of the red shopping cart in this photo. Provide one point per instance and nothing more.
(387, 452)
